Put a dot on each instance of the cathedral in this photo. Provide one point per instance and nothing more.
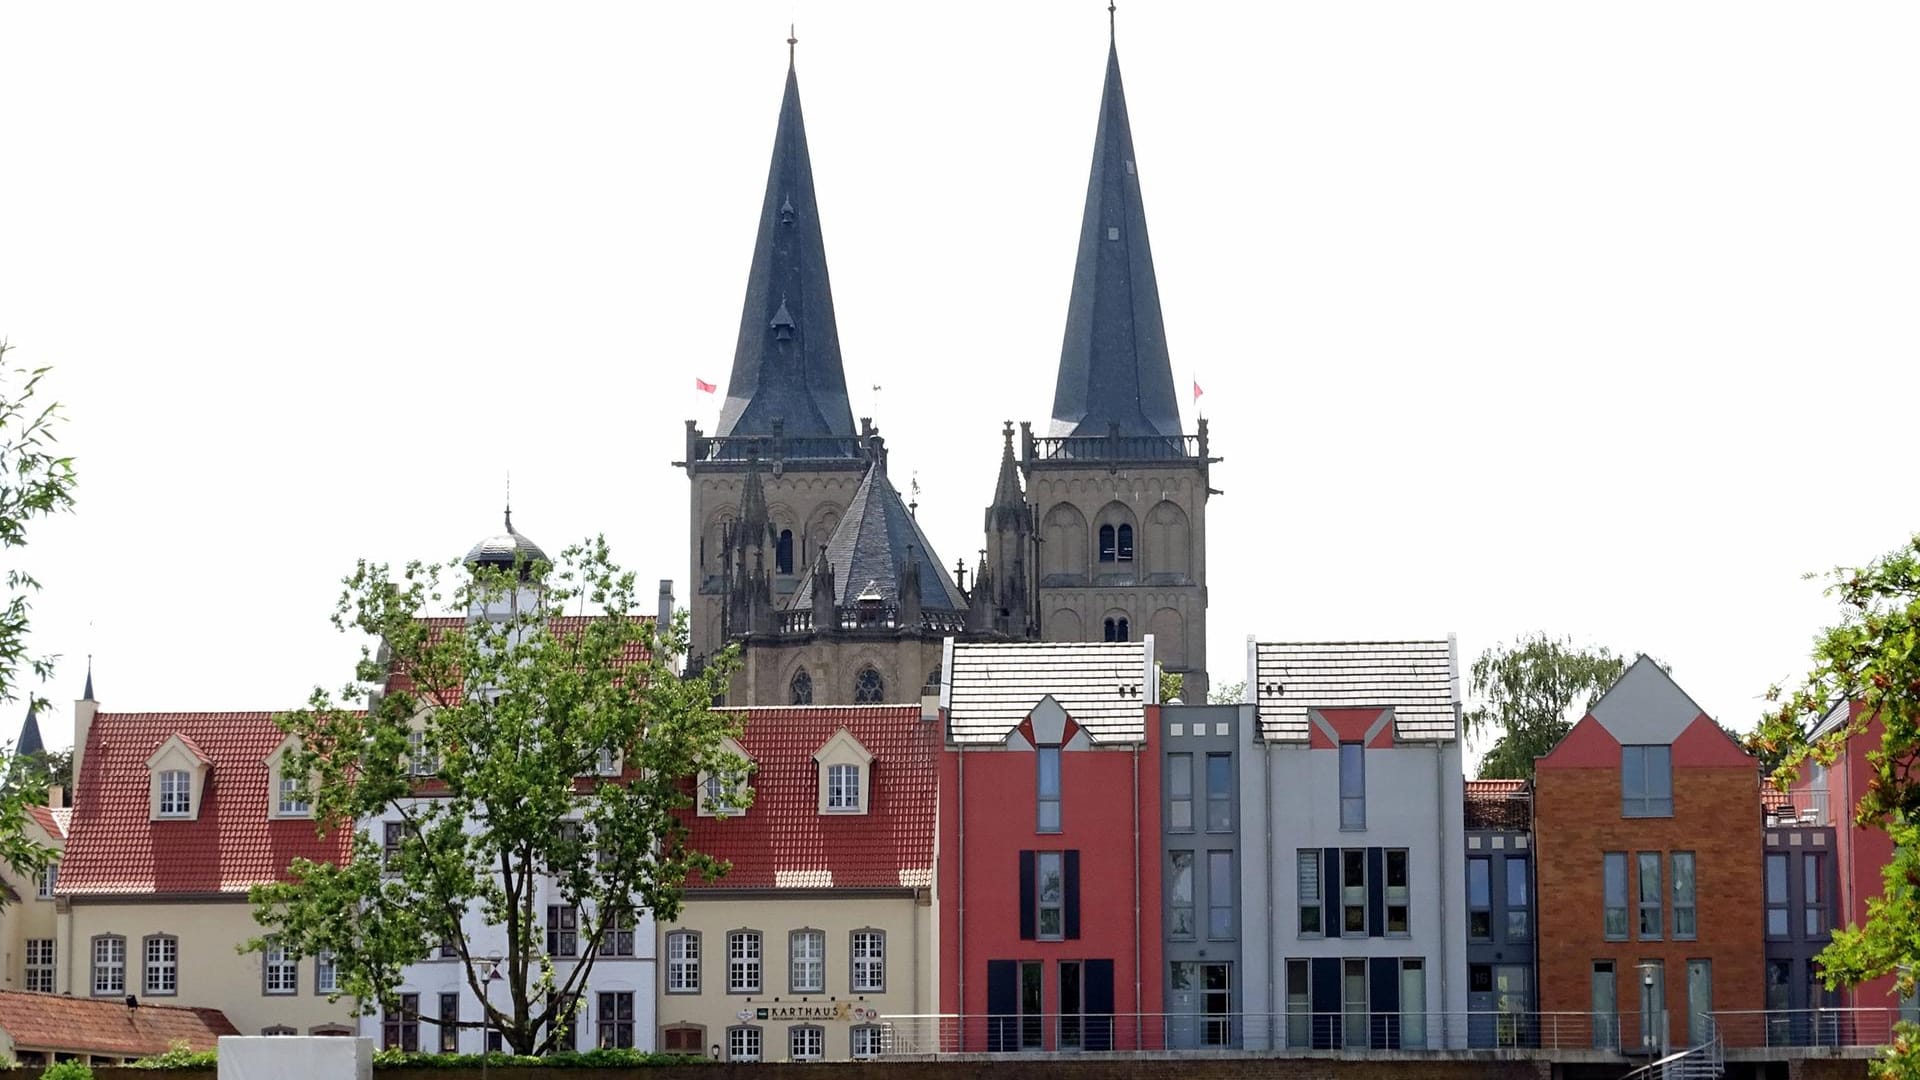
(801, 548)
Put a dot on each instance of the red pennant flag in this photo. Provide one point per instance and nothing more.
(703, 385)
(1197, 391)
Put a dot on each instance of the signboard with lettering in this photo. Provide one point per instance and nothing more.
(843, 1012)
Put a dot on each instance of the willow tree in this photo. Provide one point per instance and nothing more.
(539, 739)
(1530, 693)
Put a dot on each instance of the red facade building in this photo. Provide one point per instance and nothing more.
(1049, 871)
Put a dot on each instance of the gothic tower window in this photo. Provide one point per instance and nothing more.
(1125, 543)
(868, 687)
(1116, 629)
(800, 690)
(783, 552)
(1107, 549)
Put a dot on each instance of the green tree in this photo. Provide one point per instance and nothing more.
(1869, 658)
(558, 751)
(1530, 692)
(1228, 694)
(1172, 685)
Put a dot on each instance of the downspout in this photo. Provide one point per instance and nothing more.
(1445, 858)
(1273, 936)
(1136, 897)
(960, 893)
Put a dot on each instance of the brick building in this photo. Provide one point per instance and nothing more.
(1648, 844)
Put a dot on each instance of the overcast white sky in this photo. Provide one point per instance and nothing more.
(1598, 319)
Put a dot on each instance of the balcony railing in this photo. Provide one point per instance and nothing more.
(855, 618)
(1117, 448)
(1801, 806)
(1743, 1028)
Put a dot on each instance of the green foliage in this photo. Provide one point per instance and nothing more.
(1531, 692)
(179, 1055)
(511, 715)
(1232, 693)
(1171, 686)
(67, 1070)
(1866, 667)
(566, 1059)
(34, 483)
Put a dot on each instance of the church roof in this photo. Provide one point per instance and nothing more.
(503, 549)
(787, 364)
(1114, 367)
(872, 545)
(30, 742)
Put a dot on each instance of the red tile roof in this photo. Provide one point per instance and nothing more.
(784, 841)
(1495, 787)
(112, 846)
(57, 1022)
(48, 821)
(1501, 805)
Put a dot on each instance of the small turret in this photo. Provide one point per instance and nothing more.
(1003, 576)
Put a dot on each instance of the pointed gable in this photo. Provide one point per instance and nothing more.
(874, 543)
(786, 365)
(1644, 706)
(1114, 367)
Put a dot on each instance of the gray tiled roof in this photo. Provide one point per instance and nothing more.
(1415, 678)
(991, 688)
(871, 545)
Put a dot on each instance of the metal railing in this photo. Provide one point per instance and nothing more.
(1802, 806)
(1345, 1031)
(1117, 448)
(776, 448)
(1706, 1061)
(853, 618)
(1742, 1028)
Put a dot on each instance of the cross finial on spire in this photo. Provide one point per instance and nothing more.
(1110, 20)
(509, 500)
(792, 40)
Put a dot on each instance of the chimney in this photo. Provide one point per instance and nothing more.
(83, 713)
(56, 796)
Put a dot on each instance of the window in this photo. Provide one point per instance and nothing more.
(293, 800)
(1050, 896)
(448, 949)
(783, 552)
(868, 689)
(40, 964)
(866, 1040)
(1398, 908)
(1307, 869)
(616, 1020)
(326, 974)
(280, 969)
(1180, 894)
(1650, 896)
(805, 1042)
(1353, 892)
(800, 690)
(1413, 1004)
(563, 930)
(1353, 1000)
(49, 879)
(421, 760)
(807, 962)
(743, 1044)
(607, 762)
(1108, 549)
(869, 962)
(176, 793)
(162, 971)
(1479, 898)
(1815, 895)
(1118, 629)
(843, 787)
(1123, 542)
(1219, 792)
(616, 937)
(1299, 1005)
(449, 1023)
(1032, 1006)
(1180, 792)
(1353, 786)
(109, 964)
(1046, 765)
(1219, 894)
(683, 962)
(684, 1039)
(391, 835)
(1519, 919)
(1646, 781)
(400, 1024)
(1683, 896)
(1614, 878)
(743, 962)
(1777, 924)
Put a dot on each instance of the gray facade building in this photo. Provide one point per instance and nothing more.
(1502, 921)
(1801, 883)
(1202, 924)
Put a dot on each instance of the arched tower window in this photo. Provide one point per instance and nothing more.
(1107, 550)
(783, 552)
(1125, 543)
(1117, 629)
(800, 690)
(868, 687)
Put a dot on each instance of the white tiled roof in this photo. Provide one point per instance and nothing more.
(1414, 678)
(1102, 686)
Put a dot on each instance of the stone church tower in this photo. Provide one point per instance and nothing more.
(1113, 546)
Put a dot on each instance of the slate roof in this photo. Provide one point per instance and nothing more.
(1105, 688)
(1415, 678)
(871, 545)
(783, 841)
(1114, 367)
(786, 365)
(112, 847)
(105, 1025)
(29, 741)
(501, 550)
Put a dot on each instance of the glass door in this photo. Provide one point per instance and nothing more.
(1699, 1000)
(1031, 1006)
(1071, 1005)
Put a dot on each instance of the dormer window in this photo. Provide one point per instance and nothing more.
(176, 793)
(291, 795)
(293, 799)
(177, 779)
(846, 768)
(421, 760)
(721, 795)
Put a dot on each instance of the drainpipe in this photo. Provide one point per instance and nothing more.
(1136, 894)
(1445, 857)
(960, 897)
(1273, 937)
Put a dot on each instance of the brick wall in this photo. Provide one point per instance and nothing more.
(1717, 817)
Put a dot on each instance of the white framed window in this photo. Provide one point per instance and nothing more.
(40, 964)
(743, 1043)
(869, 951)
(805, 1042)
(866, 1040)
(743, 962)
(176, 793)
(109, 964)
(843, 787)
(326, 973)
(49, 880)
(293, 801)
(162, 970)
(281, 969)
(807, 962)
(683, 962)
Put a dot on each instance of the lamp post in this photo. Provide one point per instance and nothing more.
(1648, 1037)
(488, 969)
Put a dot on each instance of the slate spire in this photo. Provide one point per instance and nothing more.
(29, 742)
(786, 366)
(1114, 367)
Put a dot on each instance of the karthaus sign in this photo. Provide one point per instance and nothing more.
(845, 1012)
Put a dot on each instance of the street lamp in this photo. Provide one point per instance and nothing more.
(1648, 1038)
(488, 969)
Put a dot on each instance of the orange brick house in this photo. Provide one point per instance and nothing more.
(1648, 844)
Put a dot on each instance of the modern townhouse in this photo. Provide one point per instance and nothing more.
(1352, 832)
(1200, 923)
(1501, 903)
